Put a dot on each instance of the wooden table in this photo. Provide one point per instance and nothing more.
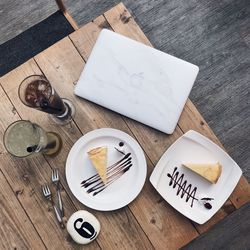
(27, 222)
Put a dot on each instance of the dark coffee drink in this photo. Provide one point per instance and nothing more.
(36, 92)
(39, 94)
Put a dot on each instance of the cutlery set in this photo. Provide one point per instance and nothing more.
(93, 183)
(58, 210)
(56, 181)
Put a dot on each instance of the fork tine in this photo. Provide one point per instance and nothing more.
(47, 189)
(43, 189)
(53, 174)
(56, 173)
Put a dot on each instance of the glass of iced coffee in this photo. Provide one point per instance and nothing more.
(24, 138)
(36, 92)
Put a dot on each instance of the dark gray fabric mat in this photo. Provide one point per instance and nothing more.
(231, 233)
(32, 41)
(17, 16)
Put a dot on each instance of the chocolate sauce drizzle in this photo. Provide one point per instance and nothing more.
(187, 190)
(182, 187)
(206, 203)
(114, 172)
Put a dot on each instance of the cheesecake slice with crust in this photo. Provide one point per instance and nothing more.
(98, 157)
(209, 171)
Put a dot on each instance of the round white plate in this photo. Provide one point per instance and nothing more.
(79, 168)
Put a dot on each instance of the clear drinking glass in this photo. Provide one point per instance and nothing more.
(36, 92)
(24, 138)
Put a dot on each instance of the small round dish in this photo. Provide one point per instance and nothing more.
(79, 168)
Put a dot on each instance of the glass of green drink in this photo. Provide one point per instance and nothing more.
(24, 138)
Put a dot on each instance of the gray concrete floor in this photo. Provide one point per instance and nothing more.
(215, 35)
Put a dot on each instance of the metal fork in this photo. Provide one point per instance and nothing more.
(48, 195)
(56, 181)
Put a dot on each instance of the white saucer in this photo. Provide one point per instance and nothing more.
(194, 147)
(79, 168)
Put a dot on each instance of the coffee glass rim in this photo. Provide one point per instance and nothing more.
(34, 75)
(4, 136)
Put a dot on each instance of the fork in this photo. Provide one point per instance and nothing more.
(55, 180)
(48, 195)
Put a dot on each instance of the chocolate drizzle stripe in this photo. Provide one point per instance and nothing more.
(114, 172)
(108, 169)
(113, 180)
(182, 187)
(109, 178)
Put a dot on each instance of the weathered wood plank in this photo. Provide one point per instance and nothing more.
(27, 175)
(213, 35)
(88, 118)
(190, 118)
(195, 31)
(10, 114)
(158, 138)
(154, 156)
(121, 20)
(153, 142)
(139, 131)
(83, 46)
(16, 229)
(99, 115)
(156, 142)
(94, 116)
(140, 211)
(69, 136)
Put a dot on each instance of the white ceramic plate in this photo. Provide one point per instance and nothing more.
(194, 147)
(79, 168)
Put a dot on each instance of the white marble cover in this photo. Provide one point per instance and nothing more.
(137, 81)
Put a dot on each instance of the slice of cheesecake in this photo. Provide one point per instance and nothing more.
(98, 157)
(210, 172)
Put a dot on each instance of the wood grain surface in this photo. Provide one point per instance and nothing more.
(121, 21)
(69, 136)
(63, 54)
(65, 51)
(13, 216)
(148, 222)
(27, 175)
(213, 35)
(153, 142)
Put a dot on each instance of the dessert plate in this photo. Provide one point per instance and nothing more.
(79, 168)
(194, 147)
